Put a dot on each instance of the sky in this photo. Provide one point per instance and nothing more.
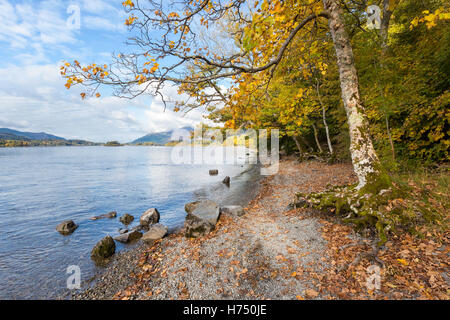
(36, 36)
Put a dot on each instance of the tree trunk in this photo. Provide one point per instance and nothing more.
(366, 164)
(324, 118)
(327, 131)
(317, 138)
(299, 146)
(384, 27)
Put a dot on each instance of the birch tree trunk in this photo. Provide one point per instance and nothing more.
(327, 130)
(324, 118)
(366, 164)
(317, 138)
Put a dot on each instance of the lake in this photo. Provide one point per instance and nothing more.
(41, 187)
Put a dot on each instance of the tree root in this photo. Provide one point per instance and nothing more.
(371, 256)
(366, 211)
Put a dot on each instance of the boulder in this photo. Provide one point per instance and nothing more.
(201, 218)
(126, 218)
(67, 227)
(129, 237)
(155, 232)
(194, 227)
(122, 231)
(104, 249)
(109, 215)
(236, 211)
(226, 181)
(189, 207)
(213, 172)
(151, 216)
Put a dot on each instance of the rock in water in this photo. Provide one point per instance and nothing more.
(213, 172)
(67, 227)
(129, 237)
(104, 249)
(155, 232)
(126, 218)
(109, 215)
(151, 216)
(201, 218)
(226, 181)
(236, 211)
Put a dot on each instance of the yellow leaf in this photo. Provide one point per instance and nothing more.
(403, 262)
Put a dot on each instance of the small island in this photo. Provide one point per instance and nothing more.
(113, 144)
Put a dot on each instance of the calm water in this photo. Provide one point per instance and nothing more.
(40, 187)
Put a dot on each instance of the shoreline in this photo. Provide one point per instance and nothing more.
(115, 273)
(235, 261)
(278, 252)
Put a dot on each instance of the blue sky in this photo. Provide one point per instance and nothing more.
(34, 40)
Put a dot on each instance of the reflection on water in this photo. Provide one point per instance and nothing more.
(40, 187)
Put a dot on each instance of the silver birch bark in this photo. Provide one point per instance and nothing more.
(366, 164)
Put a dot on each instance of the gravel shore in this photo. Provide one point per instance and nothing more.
(266, 254)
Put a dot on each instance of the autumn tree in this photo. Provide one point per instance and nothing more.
(178, 56)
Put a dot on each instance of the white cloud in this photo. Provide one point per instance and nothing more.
(37, 101)
(39, 29)
(34, 38)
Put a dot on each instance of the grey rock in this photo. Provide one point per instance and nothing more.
(236, 211)
(104, 249)
(155, 232)
(66, 227)
(205, 210)
(129, 237)
(122, 231)
(213, 172)
(195, 227)
(126, 218)
(151, 216)
(201, 218)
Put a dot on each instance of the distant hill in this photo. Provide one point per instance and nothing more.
(161, 138)
(14, 138)
(10, 134)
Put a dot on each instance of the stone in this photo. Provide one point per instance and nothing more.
(129, 237)
(226, 181)
(109, 215)
(126, 218)
(156, 231)
(104, 249)
(236, 211)
(205, 210)
(213, 172)
(122, 231)
(66, 227)
(151, 216)
(201, 218)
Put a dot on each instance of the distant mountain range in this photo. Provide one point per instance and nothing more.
(161, 138)
(24, 139)
(10, 137)
(10, 134)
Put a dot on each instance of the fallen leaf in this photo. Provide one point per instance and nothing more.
(311, 293)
